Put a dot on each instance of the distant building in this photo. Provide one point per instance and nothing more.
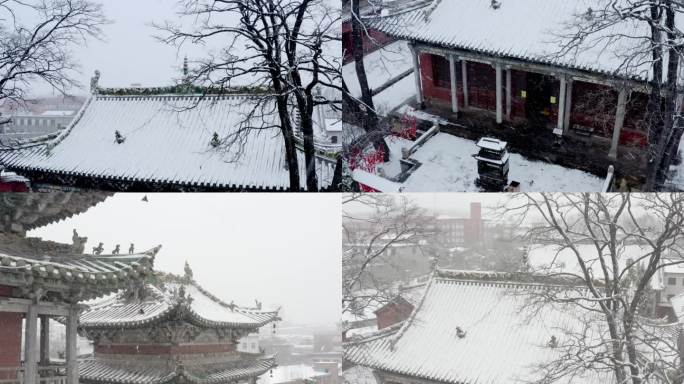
(25, 126)
(303, 374)
(249, 344)
(462, 231)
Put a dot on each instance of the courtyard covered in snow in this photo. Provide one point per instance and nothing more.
(447, 164)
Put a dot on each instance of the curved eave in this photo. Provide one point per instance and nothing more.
(188, 314)
(378, 23)
(92, 373)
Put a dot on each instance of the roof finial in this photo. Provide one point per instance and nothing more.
(94, 83)
(188, 272)
(98, 250)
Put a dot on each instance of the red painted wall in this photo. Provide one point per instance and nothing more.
(593, 105)
(392, 313)
(473, 226)
(10, 342)
(161, 349)
(5, 291)
(372, 40)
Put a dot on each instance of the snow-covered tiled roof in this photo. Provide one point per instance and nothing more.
(527, 30)
(502, 344)
(97, 274)
(167, 139)
(102, 370)
(174, 295)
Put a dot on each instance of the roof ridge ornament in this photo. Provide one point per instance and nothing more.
(94, 83)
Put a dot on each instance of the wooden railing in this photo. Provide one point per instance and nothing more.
(52, 374)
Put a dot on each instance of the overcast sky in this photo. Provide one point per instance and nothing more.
(129, 53)
(282, 249)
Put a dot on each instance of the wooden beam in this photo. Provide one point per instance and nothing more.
(71, 350)
(509, 100)
(499, 92)
(417, 74)
(454, 85)
(22, 306)
(568, 107)
(31, 345)
(561, 103)
(619, 121)
(44, 340)
(464, 83)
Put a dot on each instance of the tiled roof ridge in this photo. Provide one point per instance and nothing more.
(170, 277)
(178, 96)
(406, 324)
(508, 278)
(182, 89)
(379, 334)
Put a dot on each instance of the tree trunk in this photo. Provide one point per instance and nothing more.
(289, 140)
(370, 118)
(655, 103)
(309, 148)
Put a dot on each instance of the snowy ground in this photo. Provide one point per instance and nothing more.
(448, 166)
(382, 66)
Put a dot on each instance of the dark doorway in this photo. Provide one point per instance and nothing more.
(538, 104)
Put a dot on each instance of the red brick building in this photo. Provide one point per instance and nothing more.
(462, 231)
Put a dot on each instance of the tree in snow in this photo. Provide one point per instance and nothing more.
(285, 46)
(362, 110)
(660, 46)
(35, 41)
(372, 225)
(620, 244)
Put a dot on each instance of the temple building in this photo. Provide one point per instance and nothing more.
(179, 138)
(489, 327)
(489, 63)
(43, 280)
(168, 329)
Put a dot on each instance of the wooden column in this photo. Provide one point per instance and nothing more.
(561, 103)
(499, 93)
(44, 340)
(31, 345)
(619, 121)
(464, 83)
(71, 351)
(509, 100)
(568, 106)
(454, 86)
(416, 73)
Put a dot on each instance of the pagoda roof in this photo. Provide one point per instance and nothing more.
(148, 371)
(98, 275)
(174, 296)
(506, 31)
(167, 141)
(502, 342)
(20, 212)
